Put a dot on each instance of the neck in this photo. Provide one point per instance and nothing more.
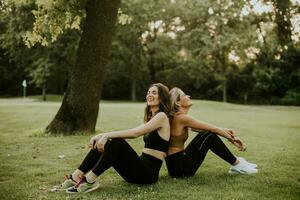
(154, 110)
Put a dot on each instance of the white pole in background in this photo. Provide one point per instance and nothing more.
(24, 84)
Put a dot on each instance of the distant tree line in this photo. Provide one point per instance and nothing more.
(218, 50)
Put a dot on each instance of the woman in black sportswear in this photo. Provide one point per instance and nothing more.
(111, 150)
(184, 162)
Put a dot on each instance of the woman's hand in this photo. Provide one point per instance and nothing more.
(100, 144)
(239, 144)
(231, 132)
(93, 141)
(236, 141)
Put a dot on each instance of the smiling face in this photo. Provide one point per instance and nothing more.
(153, 97)
(158, 100)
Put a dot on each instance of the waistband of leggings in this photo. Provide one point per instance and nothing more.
(175, 154)
(150, 158)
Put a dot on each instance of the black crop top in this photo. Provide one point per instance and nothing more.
(154, 141)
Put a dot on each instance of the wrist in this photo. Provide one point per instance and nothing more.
(230, 137)
(222, 132)
(217, 130)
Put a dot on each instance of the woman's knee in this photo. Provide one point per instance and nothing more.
(115, 142)
(213, 135)
(208, 137)
(204, 134)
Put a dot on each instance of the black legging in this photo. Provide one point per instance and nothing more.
(187, 162)
(118, 154)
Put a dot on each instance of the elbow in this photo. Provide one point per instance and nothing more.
(135, 134)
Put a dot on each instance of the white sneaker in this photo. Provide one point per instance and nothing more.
(252, 165)
(242, 168)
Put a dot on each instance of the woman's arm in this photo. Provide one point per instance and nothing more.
(195, 124)
(155, 123)
(229, 134)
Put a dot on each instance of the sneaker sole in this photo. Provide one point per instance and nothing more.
(59, 189)
(89, 190)
(232, 171)
(70, 192)
(93, 189)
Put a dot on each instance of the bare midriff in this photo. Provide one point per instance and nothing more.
(155, 153)
(172, 150)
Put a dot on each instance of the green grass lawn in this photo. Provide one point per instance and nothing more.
(29, 163)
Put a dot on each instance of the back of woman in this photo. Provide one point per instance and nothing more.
(179, 134)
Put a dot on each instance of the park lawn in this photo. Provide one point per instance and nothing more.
(29, 163)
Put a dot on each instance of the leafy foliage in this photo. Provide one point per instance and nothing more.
(205, 47)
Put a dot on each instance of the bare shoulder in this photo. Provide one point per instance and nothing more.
(186, 120)
(164, 130)
(161, 115)
(183, 117)
(163, 119)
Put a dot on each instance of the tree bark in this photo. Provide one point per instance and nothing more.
(224, 91)
(282, 11)
(80, 106)
(245, 98)
(44, 94)
(133, 89)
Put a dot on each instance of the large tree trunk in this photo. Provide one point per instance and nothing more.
(79, 109)
(282, 11)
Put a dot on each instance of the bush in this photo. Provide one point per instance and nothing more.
(292, 97)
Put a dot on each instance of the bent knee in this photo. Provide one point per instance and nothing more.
(205, 134)
(117, 141)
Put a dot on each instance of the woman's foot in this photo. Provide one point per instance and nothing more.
(242, 167)
(83, 187)
(68, 183)
(252, 165)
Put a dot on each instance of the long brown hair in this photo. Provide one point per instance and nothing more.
(164, 103)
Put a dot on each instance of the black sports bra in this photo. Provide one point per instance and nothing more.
(154, 141)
